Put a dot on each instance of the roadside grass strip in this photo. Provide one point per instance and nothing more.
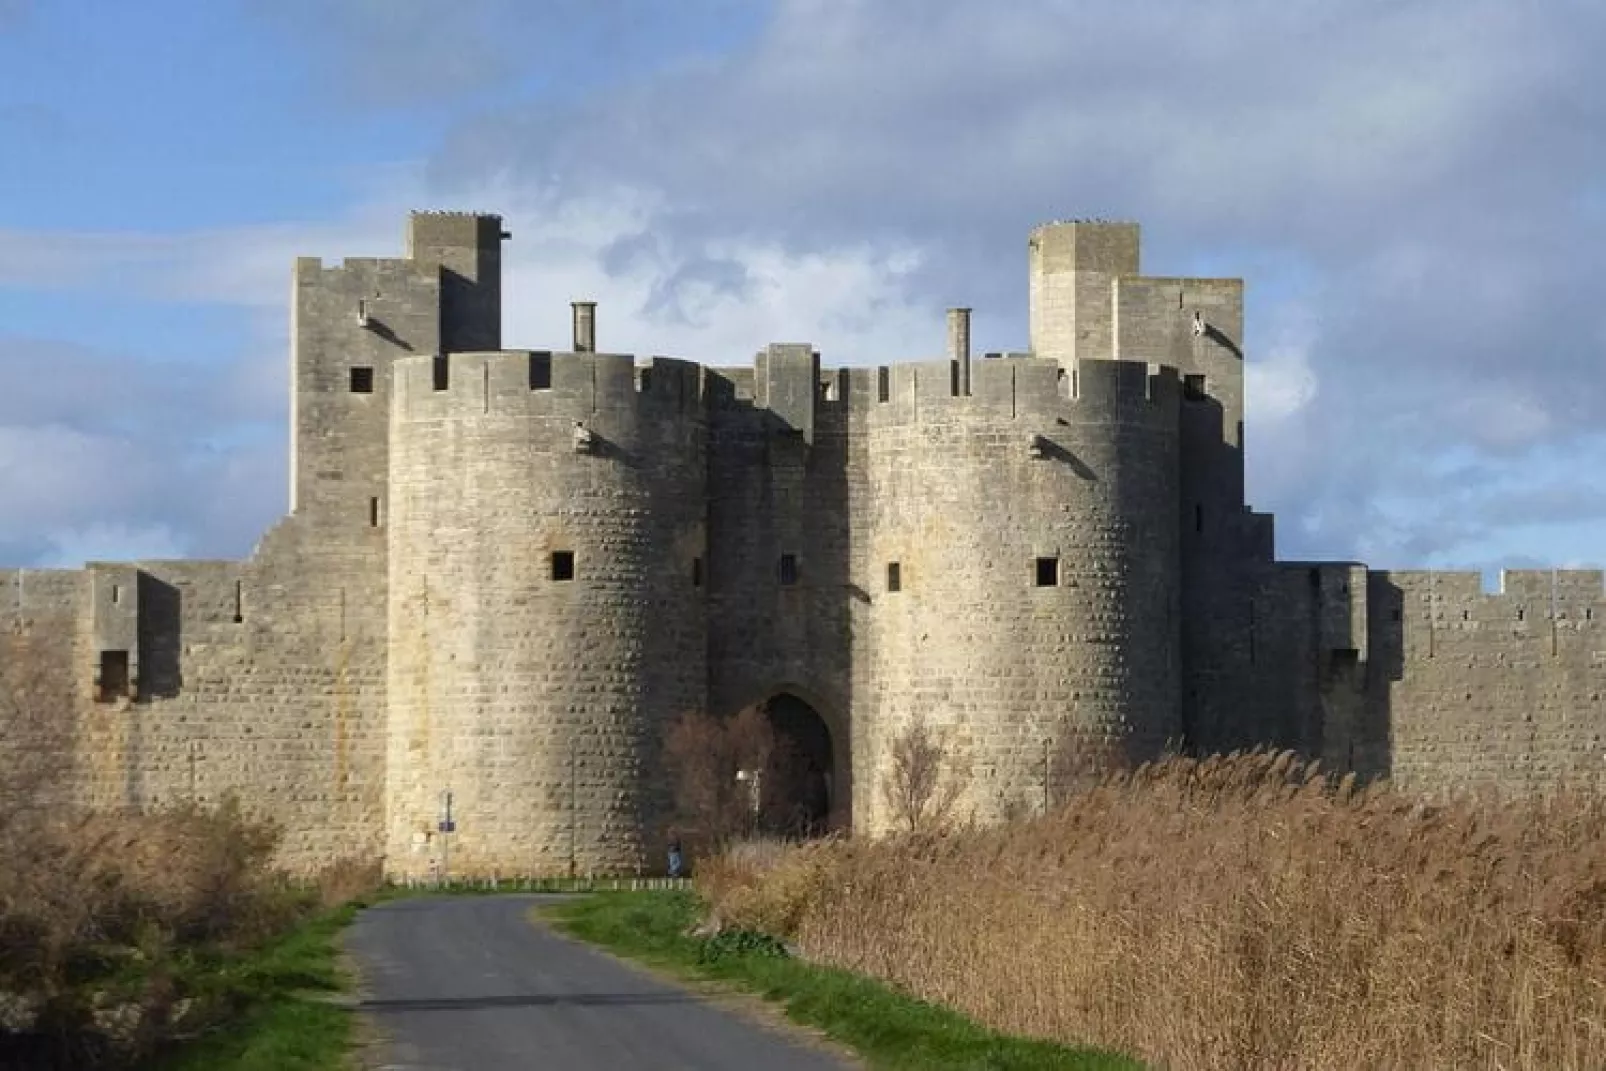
(886, 1028)
(290, 1018)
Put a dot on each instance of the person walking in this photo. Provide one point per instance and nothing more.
(677, 862)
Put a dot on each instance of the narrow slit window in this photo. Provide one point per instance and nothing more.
(1048, 572)
(373, 513)
(443, 375)
(540, 371)
(1193, 387)
(362, 379)
(697, 572)
(894, 576)
(883, 384)
(117, 594)
(788, 570)
(239, 601)
(563, 565)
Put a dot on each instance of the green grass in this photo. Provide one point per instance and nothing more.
(286, 1020)
(888, 1029)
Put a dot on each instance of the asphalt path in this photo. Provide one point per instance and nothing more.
(473, 984)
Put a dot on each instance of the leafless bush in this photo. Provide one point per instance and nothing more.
(704, 755)
(921, 789)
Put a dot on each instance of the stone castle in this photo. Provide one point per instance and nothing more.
(504, 572)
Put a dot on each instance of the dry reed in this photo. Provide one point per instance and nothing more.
(102, 916)
(1236, 912)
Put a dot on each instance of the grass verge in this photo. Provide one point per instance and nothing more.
(287, 1020)
(887, 1029)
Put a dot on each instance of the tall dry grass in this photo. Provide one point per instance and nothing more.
(1236, 912)
(107, 923)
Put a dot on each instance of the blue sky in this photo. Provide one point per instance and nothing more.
(1412, 190)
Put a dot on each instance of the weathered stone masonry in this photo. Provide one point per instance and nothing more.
(504, 572)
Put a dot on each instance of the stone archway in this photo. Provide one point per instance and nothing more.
(801, 791)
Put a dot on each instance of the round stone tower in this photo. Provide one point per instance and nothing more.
(1028, 537)
(546, 531)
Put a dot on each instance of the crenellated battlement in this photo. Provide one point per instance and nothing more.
(1014, 387)
(1010, 388)
(1520, 595)
(541, 384)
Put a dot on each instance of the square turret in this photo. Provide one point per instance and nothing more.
(468, 248)
(1071, 267)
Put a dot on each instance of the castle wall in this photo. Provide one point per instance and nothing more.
(1196, 326)
(42, 676)
(262, 679)
(1475, 689)
(538, 701)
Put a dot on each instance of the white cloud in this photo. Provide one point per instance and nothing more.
(1429, 166)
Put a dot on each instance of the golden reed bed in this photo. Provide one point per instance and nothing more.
(1238, 912)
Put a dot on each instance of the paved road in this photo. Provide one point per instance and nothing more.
(471, 984)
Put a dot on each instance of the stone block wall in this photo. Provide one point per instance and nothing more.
(546, 612)
(260, 679)
(1033, 526)
(1489, 689)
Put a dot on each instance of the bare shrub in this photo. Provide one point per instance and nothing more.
(703, 755)
(1243, 911)
(921, 790)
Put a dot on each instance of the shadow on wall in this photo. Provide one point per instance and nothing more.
(161, 638)
(1367, 735)
(780, 595)
(796, 796)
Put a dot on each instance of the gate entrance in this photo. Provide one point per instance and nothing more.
(800, 787)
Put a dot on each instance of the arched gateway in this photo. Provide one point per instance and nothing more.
(801, 794)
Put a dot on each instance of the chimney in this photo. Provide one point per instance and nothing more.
(585, 326)
(959, 347)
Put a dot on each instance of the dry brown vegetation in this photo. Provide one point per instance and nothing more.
(711, 805)
(922, 789)
(703, 755)
(116, 928)
(113, 926)
(1239, 912)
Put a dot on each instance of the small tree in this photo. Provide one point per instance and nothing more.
(920, 791)
(704, 755)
